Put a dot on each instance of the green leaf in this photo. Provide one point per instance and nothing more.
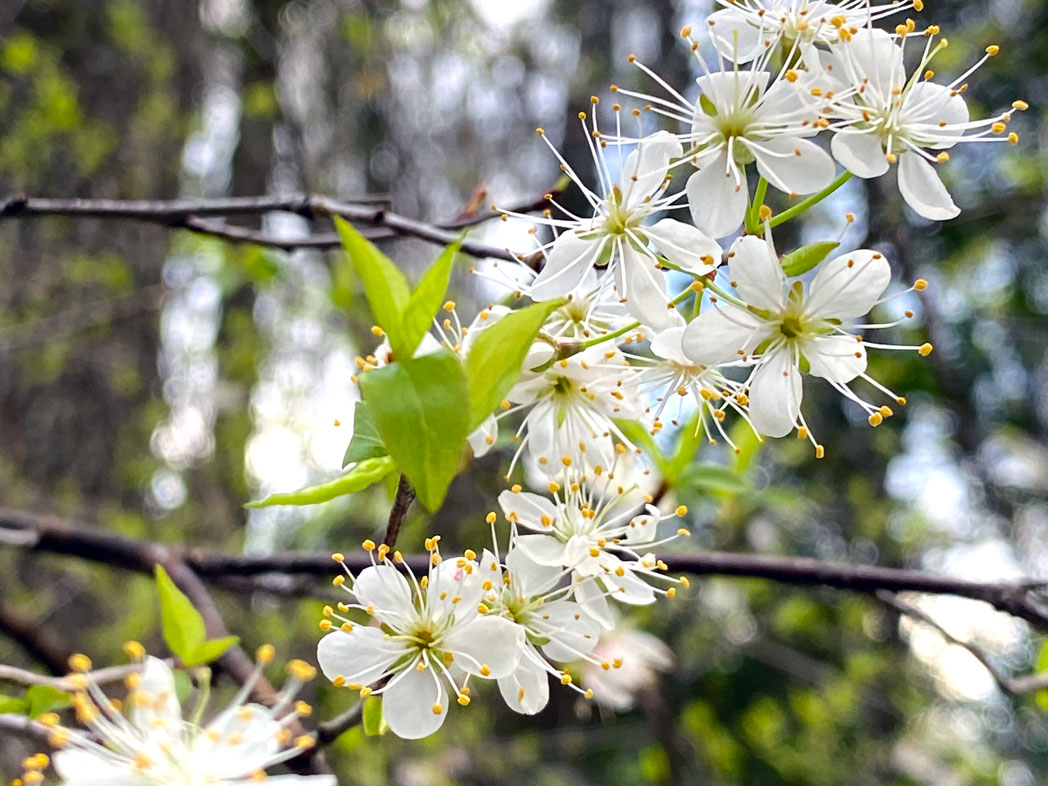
(715, 478)
(44, 698)
(357, 479)
(747, 441)
(181, 623)
(687, 445)
(641, 436)
(806, 257)
(424, 303)
(385, 286)
(210, 650)
(183, 685)
(366, 442)
(421, 410)
(371, 716)
(9, 705)
(494, 361)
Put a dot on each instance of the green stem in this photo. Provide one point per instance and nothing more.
(814, 199)
(607, 336)
(753, 223)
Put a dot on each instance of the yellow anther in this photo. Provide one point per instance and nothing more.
(764, 212)
(437, 709)
(134, 650)
(303, 709)
(463, 700)
(617, 663)
(671, 592)
(683, 532)
(924, 350)
(449, 305)
(875, 419)
(377, 330)
(301, 670)
(470, 554)
(265, 653)
(338, 581)
(1013, 138)
(325, 625)
(791, 76)
(589, 693)
(365, 691)
(491, 517)
(565, 678)
(886, 411)
(820, 452)
(685, 32)
(79, 662)
(1021, 105)
(485, 670)
(685, 582)
(327, 611)
(369, 545)
(682, 510)
(305, 742)
(920, 285)
(992, 49)
(943, 157)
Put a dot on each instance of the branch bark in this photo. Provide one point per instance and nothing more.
(40, 533)
(401, 504)
(204, 216)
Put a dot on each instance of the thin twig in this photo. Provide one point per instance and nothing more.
(331, 730)
(192, 214)
(39, 641)
(401, 504)
(1012, 685)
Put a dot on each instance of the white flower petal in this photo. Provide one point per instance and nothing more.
(922, 189)
(453, 589)
(642, 286)
(756, 273)
(571, 632)
(566, 265)
(84, 768)
(861, 153)
(481, 440)
(592, 600)
(526, 690)
(646, 167)
(734, 37)
(775, 395)
(728, 89)
(667, 345)
(530, 578)
(643, 528)
(528, 510)
(361, 655)
(385, 588)
(494, 642)
(872, 55)
(685, 246)
(795, 166)
(628, 588)
(408, 703)
(723, 335)
(938, 110)
(836, 358)
(162, 710)
(848, 286)
(542, 549)
(716, 200)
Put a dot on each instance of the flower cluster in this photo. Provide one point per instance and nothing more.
(673, 307)
(147, 739)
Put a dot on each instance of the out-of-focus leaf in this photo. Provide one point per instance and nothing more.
(44, 698)
(210, 650)
(494, 361)
(715, 478)
(684, 450)
(420, 407)
(357, 479)
(424, 303)
(366, 443)
(641, 436)
(373, 722)
(806, 257)
(9, 705)
(180, 622)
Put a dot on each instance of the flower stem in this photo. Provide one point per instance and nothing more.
(814, 199)
(753, 225)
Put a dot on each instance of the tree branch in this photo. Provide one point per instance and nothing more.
(194, 215)
(47, 534)
(1012, 685)
(399, 511)
(39, 642)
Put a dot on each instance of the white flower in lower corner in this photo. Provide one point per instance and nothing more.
(431, 633)
(636, 658)
(890, 114)
(154, 744)
(600, 533)
(556, 628)
(783, 331)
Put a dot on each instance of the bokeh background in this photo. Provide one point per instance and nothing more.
(152, 382)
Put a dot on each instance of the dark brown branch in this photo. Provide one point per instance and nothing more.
(1012, 685)
(47, 534)
(193, 214)
(399, 511)
(38, 641)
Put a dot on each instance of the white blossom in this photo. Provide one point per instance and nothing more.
(636, 657)
(782, 330)
(615, 234)
(890, 114)
(594, 530)
(153, 743)
(429, 631)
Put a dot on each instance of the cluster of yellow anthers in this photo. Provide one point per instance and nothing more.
(32, 770)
